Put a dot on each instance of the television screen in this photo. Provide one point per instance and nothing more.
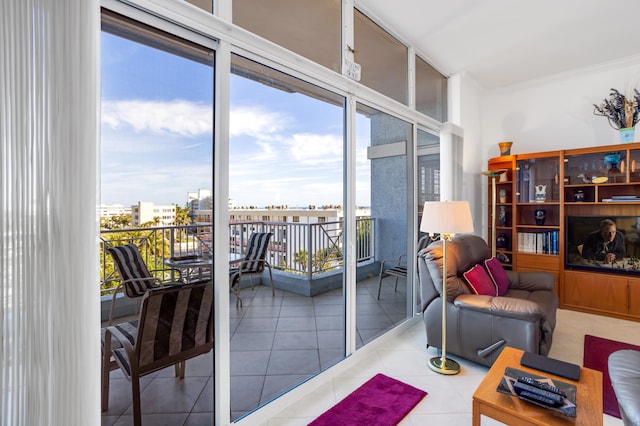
(592, 244)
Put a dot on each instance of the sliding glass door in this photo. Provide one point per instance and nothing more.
(156, 180)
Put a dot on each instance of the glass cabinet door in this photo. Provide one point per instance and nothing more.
(634, 165)
(607, 167)
(538, 180)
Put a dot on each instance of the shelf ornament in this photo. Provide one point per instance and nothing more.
(622, 113)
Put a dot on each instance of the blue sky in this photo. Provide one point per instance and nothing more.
(285, 148)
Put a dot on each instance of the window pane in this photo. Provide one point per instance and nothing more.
(382, 188)
(286, 168)
(431, 91)
(310, 28)
(156, 147)
(157, 125)
(428, 185)
(382, 57)
(427, 139)
(203, 4)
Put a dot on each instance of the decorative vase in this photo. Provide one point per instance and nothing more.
(540, 216)
(502, 241)
(541, 193)
(627, 134)
(502, 216)
(502, 195)
(505, 148)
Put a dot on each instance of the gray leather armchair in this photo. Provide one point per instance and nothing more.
(479, 327)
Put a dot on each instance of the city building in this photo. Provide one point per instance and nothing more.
(147, 212)
(111, 211)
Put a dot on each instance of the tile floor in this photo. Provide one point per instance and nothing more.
(276, 343)
(167, 401)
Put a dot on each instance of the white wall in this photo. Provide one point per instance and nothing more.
(556, 113)
(465, 110)
(544, 115)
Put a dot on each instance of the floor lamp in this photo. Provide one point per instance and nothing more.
(446, 218)
(493, 174)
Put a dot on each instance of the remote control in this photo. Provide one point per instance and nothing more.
(522, 387)
(536, 399)
(540, 385)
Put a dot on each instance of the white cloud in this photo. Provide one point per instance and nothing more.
(256, 121)
(179, 117)
(314, 149)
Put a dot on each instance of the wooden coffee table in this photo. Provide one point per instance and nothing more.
(514, 412)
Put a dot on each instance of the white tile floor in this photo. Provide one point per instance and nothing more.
(402, 356)
(448, 402)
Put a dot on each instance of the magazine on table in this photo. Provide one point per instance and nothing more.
(566, 407)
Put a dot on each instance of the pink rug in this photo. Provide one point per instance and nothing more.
(596, 356)
(381, 401)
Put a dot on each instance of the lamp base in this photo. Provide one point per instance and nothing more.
(444, 366)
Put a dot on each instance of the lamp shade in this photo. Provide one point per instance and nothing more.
(446, 217)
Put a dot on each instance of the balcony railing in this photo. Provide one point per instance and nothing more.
(297, 248)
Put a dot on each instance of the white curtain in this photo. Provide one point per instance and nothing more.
(49, 291)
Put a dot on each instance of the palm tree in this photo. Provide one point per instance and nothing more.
(183, 219)
(302, 257)
(182, 216)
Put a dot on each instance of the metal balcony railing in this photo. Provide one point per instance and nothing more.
(297, 248)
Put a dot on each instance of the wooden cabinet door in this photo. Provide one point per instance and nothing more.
(634, 297)
(597, 292)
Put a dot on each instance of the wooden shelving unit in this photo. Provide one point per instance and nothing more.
(540, 245)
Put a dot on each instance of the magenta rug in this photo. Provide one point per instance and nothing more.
(596, 356)
(381, 401)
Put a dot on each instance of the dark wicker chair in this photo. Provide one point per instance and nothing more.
(175, 324)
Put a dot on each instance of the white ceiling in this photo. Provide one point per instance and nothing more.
(505, 42)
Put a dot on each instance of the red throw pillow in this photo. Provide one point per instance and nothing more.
(480, 282)
(498, 275)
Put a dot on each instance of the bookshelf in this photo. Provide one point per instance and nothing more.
(540, 190)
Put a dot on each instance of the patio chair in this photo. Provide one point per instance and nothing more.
(136, 277)
(175, 324)
(253, 262)
(399, 268)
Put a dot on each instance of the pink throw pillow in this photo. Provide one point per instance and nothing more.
(480, 282)
(498, 275)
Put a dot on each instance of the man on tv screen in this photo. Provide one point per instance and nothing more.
(605, 244)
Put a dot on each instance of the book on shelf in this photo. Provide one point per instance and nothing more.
(621, 199)
(538, 242)
(624, 197)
